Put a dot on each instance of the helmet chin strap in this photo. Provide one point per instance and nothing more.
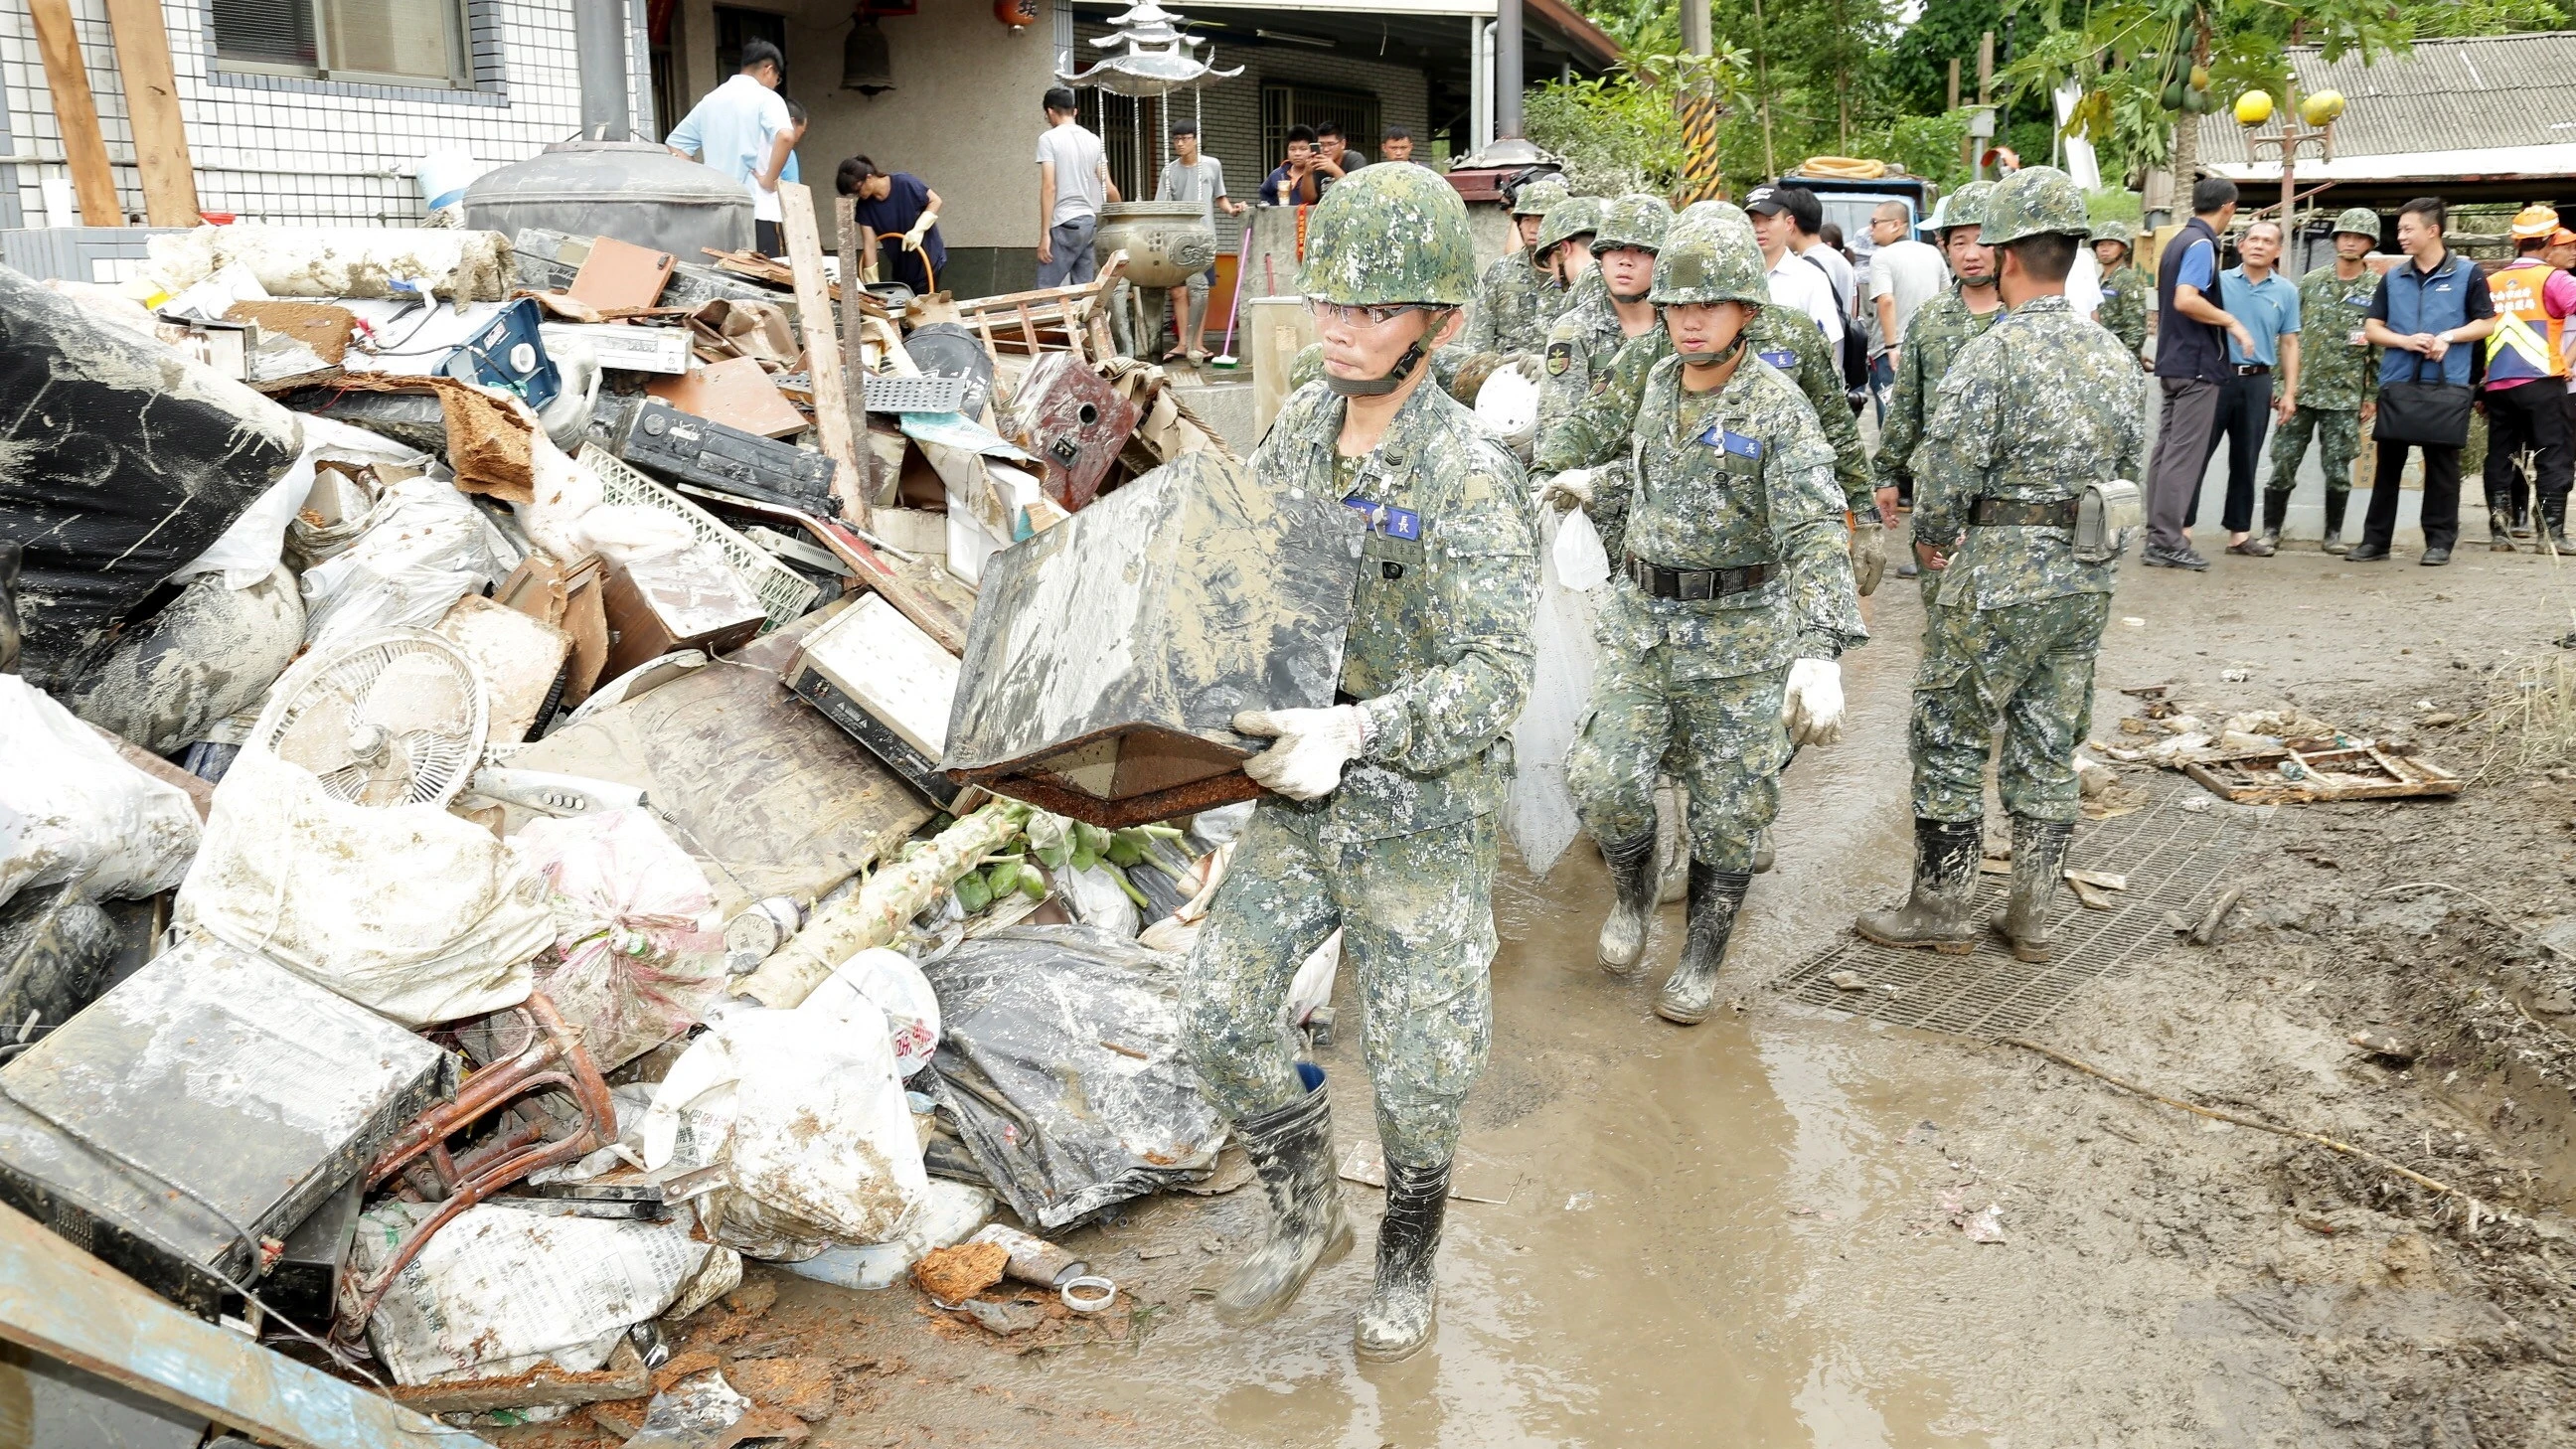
(1714, 359)
(1988, 280)
(1381, 386)
(1629, 299)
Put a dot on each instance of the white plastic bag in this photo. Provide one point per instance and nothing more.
(952, 1211)
(247, 552)
(425, 547)
(1540, 811)
(500, 1289)
(630, 532)
(404, 909)
(639, 949)
(71, 807)
(1582, 564)
(887, 980)
(564, 491)
(1313, 984)
(1095, 899)
(804, 1112)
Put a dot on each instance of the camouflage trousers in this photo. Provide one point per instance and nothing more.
(2338, 442)
(2027, 669)
(1417, 921)
(1721, 738)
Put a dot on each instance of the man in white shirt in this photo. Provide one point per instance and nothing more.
(1796, 283)
(1190, 176)
(741, 129)
(1903, 275)
(1073, 184)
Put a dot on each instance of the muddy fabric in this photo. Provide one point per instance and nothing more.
(2041, 404)
(1515, 305)
(2336, 374)
(1580, 349)
(2338, 435)
(2123, 312)
(1439, 652)
(1417, 922)
(1655, 707)
(2026, 668)
(1940, 328)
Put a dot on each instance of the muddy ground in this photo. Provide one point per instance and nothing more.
(1752, 1232)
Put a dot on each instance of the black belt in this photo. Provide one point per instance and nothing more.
(2252, 369)
(2005, 513)
(1664, 583)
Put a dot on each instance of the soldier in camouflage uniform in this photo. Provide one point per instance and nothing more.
(1517, 299)
(1721, 628)
(2041, 405)
(2338, 379)
(1597, 321)
(2125, 289)
(1565, 244)
(1934, 336)
(1383, 818)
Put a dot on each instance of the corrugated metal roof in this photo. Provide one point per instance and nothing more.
(2449, 95)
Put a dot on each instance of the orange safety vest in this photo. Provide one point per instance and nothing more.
(2525, 341)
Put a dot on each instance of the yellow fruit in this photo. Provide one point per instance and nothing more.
(2322, 108)
(2200, 77)
(2253, 108)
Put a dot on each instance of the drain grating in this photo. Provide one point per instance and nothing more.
(2174, 859)
(924, 394)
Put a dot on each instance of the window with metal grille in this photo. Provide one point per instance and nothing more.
(1131, 133)
(410, 42)
(1285, 104)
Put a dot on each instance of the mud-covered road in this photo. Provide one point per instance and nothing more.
(1750, 1232)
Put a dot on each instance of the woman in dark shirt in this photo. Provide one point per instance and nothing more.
(893, 207)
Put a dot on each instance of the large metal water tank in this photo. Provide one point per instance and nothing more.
(635, 191)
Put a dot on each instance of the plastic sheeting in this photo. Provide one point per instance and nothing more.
(425, 547)
(639, 950)
(1060, 1061)
(71, 808)
(212, 653)
(1540, 809)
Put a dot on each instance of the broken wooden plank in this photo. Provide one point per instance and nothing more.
(625, 1377)
(823, 350)
(854, 367)
(76, 113)
(2102, 879)
(152, 112)
(2091, 895)
(937, 617)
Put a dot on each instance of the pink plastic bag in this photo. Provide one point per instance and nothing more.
(639, 951)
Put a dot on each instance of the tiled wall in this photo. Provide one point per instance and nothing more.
(296, 150)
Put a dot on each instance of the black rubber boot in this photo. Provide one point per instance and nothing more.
(2334, 522)
(2553, 524)
(1715, 896)
(1405, 1303)
(2521, 512)
(2039, 860)
(1292, 1150)
(2276, 511)
(1945, 889)
(2499, 523)
(1632, 902)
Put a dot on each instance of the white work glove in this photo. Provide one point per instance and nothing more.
(1568, 490)
(1811, 708)
(1313, 745)
(921, 228)
(1868, 555)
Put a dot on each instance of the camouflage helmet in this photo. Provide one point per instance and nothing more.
(1635, 220)
(1388, 235)
(2360, 221)
(1575, 216)
(1966, 206)
(2114, 230)
(1706, 260)
(2034, 201)
(1536, 196)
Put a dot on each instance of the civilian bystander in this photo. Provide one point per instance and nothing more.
(2525, 394)
(2262, 379)
(2191, 362)
(2424, 309)
(1073, 184)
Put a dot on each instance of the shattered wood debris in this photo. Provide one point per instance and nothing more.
(2272, 757)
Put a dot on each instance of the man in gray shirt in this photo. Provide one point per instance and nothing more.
(1073, 184)
(1193, 177)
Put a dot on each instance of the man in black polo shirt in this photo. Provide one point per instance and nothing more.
(2191, 362)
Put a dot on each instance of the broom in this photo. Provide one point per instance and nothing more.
(1234, 305)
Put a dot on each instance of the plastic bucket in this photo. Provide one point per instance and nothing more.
(443, 177)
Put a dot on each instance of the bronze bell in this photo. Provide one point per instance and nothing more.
(866, 65)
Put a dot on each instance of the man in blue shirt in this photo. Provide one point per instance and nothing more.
(2266, 305)
(2426, 308)
(1293, 184)
(2191, 361)
(741, 129)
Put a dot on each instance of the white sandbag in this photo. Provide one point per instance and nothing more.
(72, 808)
(500, 1289)
(639, 949)
(1540, 811)
(425, 547)
(404, 909)
(803, 1111)
(887, 980)
(951, 1212)
(210, 654)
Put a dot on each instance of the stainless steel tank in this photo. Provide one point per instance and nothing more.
(635, 191)
(1166, 242)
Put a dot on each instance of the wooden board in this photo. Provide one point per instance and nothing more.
(736, 392)
(621, 275)
(152, 110)
(2321, 770)
(76, 114)
(822, 349)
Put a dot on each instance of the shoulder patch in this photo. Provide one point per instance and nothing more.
(1560, 357)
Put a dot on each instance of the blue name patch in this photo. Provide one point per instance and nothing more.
(1393, 522)
(1783, 360)
(1736, 443)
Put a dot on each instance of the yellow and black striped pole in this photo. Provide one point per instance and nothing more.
(1702, 178)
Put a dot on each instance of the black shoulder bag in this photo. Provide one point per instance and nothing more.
(2427, 414)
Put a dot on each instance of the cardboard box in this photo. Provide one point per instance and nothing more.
(685, 600)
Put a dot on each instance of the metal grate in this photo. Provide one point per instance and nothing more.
(927, 393)
(784, 593)
(2174, 859)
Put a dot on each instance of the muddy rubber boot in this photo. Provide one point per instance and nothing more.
(1405, 1303)
(1292, 1151)
(2276, 511)
(1715, 896)
(2334, 523)
(2499, 524)
(2553, 524)
(1945, 889)
(1632, 904)
(2039, 859)
(1672, 843)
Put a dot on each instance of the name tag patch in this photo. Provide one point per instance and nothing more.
(1391, 522)
(1782, 359)
(1738, 444)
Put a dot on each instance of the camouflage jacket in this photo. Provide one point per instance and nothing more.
(2126, 292)
(1439, 651)
(1515, 305)
(1940, 328)
(2337, 371)
(2042, 404)
(1737, 477)
(1580, 349)
(1597, 431)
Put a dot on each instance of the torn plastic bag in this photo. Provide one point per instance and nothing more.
(1094, 899)
(120, 460)
(1540, 808)
(802, 1120)
(888, 980)
(1060, 1060)
(71, 808)
(425, 547)
(638, 951)
(404, 909)
(257, 540)
(501, 1289)
(212, 653)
